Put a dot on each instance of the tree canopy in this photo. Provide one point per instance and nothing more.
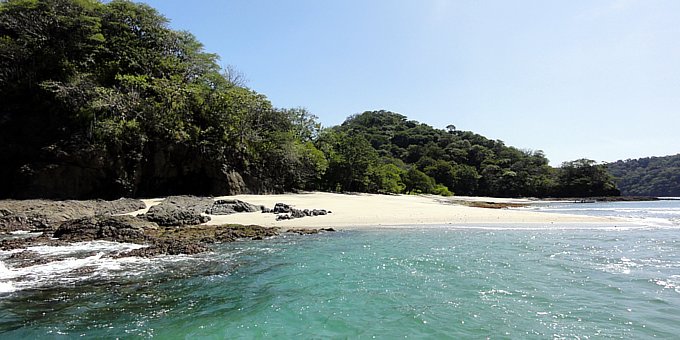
(649, 176)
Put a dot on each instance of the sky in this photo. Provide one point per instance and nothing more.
(597, 79)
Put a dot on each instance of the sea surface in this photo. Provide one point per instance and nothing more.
(421, 282)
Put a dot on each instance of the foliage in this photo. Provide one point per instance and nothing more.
(650, 176)
(109, 89)
(585, 178)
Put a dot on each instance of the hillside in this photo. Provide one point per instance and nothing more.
(650, 176)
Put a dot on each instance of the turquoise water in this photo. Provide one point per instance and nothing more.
(435, 282)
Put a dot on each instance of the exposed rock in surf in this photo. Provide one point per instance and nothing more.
(20, 243)
(210, 234)
(167, 247)
(108, 228)
(28, 258)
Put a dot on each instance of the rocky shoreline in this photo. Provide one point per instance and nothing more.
(173, 227)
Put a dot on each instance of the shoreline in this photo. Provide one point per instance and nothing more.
(355, 211)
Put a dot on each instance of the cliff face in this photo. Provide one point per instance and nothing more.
(92, 173)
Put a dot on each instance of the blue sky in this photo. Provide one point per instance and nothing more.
(598, 79)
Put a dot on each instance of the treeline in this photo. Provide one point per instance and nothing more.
(104, 100)
(382, 151)
(650, 176)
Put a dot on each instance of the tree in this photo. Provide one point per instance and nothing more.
(585, 178)
(418, 182)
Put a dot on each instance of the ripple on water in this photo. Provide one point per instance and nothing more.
(414, 282)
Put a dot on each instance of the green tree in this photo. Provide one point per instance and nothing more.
(417, 181)
(585, 178)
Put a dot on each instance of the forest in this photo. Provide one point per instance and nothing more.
(104, 100)
(649, 176)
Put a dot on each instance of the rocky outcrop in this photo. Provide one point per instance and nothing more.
(167, 248)
(108, 228)
(288, 213)
(308, 231)
(227, 207)
(20, 243)
(47, 215)
(179, 210)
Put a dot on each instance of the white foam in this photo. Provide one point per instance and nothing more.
(90, 246)
(7, 287)
(5, 275)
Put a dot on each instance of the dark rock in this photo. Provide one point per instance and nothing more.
(28, 258)
(179, 210)
(226, 207)
(46, 215)
(15, 222)
(167, 247)
(116, 207)
(281, 208)
(20, 243)
(282, 217)
(303, 231)
(109, 228)
(308, 231)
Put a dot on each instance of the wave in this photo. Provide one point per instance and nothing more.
(68, 264)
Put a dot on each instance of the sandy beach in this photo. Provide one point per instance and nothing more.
(369, 210)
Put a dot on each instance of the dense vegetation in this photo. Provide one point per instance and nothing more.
(104, 100)
(385, 152)
(651, 176)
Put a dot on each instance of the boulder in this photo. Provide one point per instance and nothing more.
(227, 207)
(281, 208)
(109, 228)
(179, 210)
(47, 215)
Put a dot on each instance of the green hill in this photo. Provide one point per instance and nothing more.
(650, 176)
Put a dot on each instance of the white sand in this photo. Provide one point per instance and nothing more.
(367, 210)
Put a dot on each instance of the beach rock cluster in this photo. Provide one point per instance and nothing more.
(174, 226)
(179, 210)
(227, 207)
(47, 215)
(307, 231)
(286, 212)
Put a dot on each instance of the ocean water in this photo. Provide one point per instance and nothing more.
(652, 213)
(420, 282)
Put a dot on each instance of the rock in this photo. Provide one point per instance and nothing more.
(168, 247)
(281, 208)
(47, 215)
(303, 231)
(109, 228)
(28, 258)
(179, 210)
(283, 217)
(286, 212)
(226, 207)
(308, 231)
(15, 222)
(212, 233)
(20, 243)
(116, 207)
